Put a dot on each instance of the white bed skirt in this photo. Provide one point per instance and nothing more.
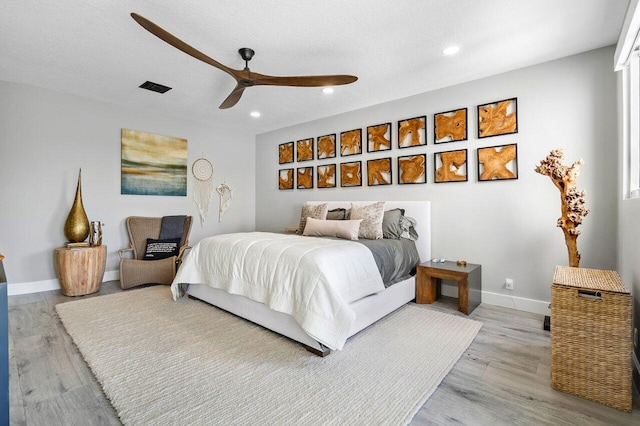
(368, 309)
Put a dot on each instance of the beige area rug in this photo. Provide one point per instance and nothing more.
(162, 362)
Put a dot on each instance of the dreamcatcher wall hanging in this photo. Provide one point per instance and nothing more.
(203, 186)
(226, 194)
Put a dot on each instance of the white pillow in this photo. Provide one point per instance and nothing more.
(347, 229)
(372, 216)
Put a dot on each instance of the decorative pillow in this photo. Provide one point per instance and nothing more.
(391, 228)
(337, 214)
(371, 215)
(347, 229)
(318, 211)
(161, 249)
(408, 231)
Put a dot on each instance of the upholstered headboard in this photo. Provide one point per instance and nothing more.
(419, 210)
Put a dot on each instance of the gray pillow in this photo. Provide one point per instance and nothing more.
(337, 214)
(391, 224)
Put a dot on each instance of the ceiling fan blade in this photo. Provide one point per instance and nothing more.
(233, 98)
(179, 44)
(303, 81)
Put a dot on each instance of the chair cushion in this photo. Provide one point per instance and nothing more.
(161, 249)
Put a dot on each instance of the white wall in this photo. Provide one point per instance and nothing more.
(46, 136)
(508, 226)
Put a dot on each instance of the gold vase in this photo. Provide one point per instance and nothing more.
(76, 228)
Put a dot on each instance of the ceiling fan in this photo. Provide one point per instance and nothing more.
(245, 77)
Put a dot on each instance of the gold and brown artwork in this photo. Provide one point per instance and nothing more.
(305, 177)
(451, 126)
(304, 149)
(351, 142)
(285, 153)
(498, 162)
(326, 146)
(411, 132)
(379, 172)
(412, 169)
(326, 176)
(451, 166)
(285, 179)
(379, 137)
(350, 174)
(498, 118)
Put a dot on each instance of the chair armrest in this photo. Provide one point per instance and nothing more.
(180, 254)
(182, 250)
(121, 252)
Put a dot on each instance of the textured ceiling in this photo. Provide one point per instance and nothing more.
(95, 49)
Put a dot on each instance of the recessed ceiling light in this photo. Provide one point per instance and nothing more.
(451, 50)
(255, 114)
(327, 90)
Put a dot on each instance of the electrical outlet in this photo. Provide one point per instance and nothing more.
(508, 284)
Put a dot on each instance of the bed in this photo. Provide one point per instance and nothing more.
(366, 310)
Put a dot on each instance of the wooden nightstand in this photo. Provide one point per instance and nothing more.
(80, 270)
(469, 278)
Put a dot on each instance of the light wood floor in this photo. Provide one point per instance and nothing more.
(503, 378)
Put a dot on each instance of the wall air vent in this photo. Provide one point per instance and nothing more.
(154, 87)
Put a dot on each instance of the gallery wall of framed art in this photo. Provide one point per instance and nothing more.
(401, 152)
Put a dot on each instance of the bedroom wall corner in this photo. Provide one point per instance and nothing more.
(508, 227)
(46, 136)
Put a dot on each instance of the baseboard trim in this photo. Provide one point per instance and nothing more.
(496, 299)
(15, 289)
(505, 301)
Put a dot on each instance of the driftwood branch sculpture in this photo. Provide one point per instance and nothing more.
(572, 200)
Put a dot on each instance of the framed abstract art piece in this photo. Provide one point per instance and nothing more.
(450, 166)
(498, 162)
(351, 142)
(498, 118)
(304, 178)
(326, 146)
(411, 132)
(450, 126)
(304, 149)
(285, 179)
(351, 174)
(153, 164)
(326, 176)
(379, 137)
(285, 153)
(412, 169)
(379, 172)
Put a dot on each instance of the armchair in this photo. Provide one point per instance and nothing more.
(136, 270)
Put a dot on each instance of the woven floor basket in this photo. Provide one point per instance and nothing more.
(591, 336)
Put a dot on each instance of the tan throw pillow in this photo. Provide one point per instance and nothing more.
(347, 229)
(371, 215)
(318, 211)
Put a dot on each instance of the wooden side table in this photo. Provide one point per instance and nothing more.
(80, 270)
(469, 279)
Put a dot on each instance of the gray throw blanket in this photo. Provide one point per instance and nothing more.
(172, 227)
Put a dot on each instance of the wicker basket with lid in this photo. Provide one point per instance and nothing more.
(591, 336)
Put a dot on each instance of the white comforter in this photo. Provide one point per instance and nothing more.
(311, 279)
